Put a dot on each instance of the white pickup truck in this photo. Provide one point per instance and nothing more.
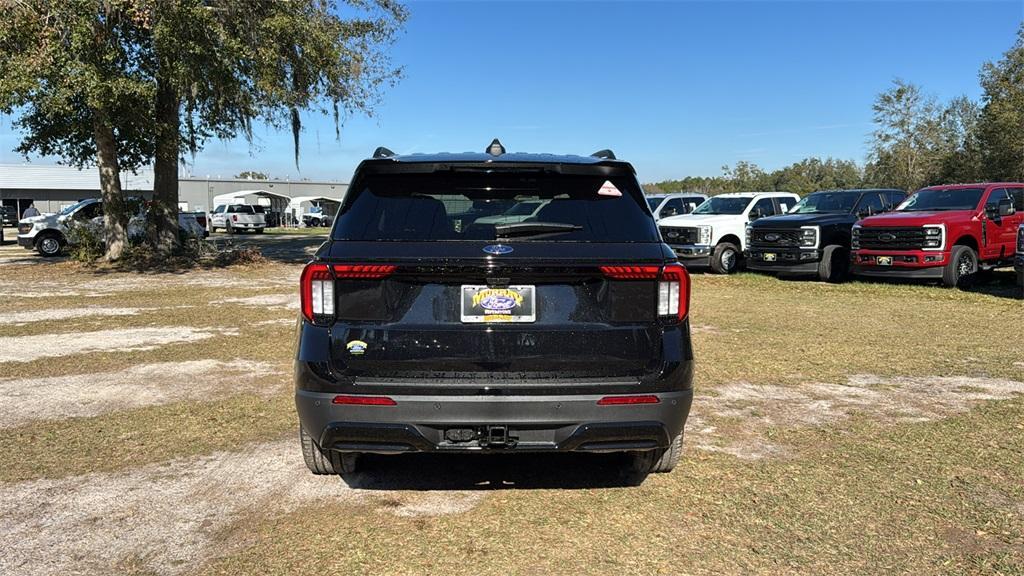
(713, 235)
(237, 217)
(48, 233)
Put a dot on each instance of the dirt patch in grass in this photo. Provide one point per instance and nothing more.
(290, 301)
(28, 348)
(81, 395)
(49, 314)
(741, 418)
(167, 517)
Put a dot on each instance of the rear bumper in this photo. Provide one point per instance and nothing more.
(533, 423)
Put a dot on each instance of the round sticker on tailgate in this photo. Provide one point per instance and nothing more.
(356, 347)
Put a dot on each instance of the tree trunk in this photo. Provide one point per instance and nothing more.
(115, 220)
(163, 233)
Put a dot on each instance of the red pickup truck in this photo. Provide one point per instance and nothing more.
(945, 233)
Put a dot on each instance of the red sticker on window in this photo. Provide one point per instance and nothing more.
(608, 189)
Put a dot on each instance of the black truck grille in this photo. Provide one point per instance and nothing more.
(766, 238)
(891, 238)
(681, 235)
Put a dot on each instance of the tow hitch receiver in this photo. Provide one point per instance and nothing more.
(497, 437)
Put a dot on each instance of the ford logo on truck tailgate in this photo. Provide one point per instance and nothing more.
(498, 249)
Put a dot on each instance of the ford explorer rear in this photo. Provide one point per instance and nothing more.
(429, 326)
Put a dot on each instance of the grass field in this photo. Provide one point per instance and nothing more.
(146, 427)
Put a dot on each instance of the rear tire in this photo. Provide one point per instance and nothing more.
(961, 269)
(657, 461)
(228, 229)
(326, 462)
(259, 230)
(835, 264)
(725, 258)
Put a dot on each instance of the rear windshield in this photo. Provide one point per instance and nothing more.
(241, 208)
(942, 199)
(496, 205)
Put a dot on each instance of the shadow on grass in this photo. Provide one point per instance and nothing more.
(492, 472)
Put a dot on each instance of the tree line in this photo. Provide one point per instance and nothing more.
(917, 141)
(122, 84)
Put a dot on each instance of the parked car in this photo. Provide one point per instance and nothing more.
(814, 237)
(714, 234)
(316, 217)
(237, 218)
(569, 332)
(49, 235)
(944, 233)
(665, 205)
(1018, 263)
(8, 216)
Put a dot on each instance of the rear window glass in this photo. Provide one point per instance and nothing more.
(241, 208)
(494, 206)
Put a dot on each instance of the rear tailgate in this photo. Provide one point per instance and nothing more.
(408, 329)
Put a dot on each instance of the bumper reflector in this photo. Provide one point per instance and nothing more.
(626, 400)
(364, 400)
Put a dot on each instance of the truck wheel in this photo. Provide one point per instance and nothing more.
(228, 229)
(1020, 282)
(50, 245)
(259, 230)
(961, 269)
(725, 258)
(325, 461)
(835, 264)
(658, 461)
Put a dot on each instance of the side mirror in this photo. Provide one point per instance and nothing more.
(1006, 207)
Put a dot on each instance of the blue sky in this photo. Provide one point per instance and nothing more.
(678, 88)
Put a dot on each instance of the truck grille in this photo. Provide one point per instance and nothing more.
(891, 238)
(680, 235)
(766, 238)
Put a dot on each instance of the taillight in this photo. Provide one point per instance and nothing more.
(234, 217)
(673, 285)
(364, 271)
(631, 272)
(316, 287)
(674, 292)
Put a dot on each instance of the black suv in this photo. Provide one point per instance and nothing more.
(814, 237)
(430, 323)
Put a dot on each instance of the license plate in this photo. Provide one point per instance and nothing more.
(512, 304)
(768, 257)
(883, 260)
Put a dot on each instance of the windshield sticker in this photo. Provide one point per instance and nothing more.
(356, 347)
(608, 189)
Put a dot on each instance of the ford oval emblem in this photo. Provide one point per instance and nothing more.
(771, 237)
(498, 249)
(886, 237)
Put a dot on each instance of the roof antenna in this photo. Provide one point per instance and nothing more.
(495, 149)
(382, 152)
(605, 154)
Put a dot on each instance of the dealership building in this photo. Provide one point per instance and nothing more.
(51, 188)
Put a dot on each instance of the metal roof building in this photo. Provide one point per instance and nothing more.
(52, 187)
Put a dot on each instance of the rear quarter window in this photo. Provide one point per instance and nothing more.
(475, 205)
